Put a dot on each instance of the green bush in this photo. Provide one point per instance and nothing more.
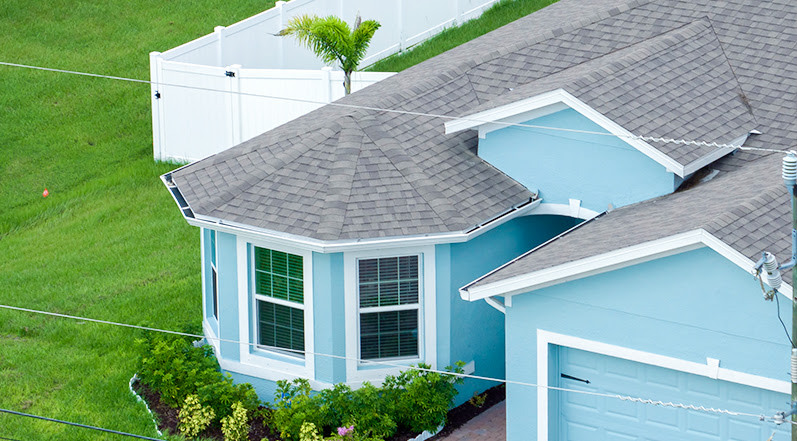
(422, 397)
(175, 368)
(415, 399)
(235, 427)
(194, 417)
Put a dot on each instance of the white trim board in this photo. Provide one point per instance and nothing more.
(549, 102)
(262, 363)
(612, 260)
(322, 246)
(573, 209)
(711, 369)
(427, 339)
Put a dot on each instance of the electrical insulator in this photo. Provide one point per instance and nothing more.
(794, 365)
(771, 268)
(790, 169)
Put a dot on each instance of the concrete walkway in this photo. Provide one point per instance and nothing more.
(489, 426)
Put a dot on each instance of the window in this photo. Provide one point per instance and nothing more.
(214, 275)
(390, 310)
(389, 307)
(279, 295)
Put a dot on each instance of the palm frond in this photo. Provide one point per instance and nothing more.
(325, 36)
(361, 39)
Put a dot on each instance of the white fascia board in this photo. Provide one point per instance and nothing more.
(586, 267)
(739, 259)
(507, 111)
(610, 261)
(503, 112)
(716, 154)
(565, 210)
(322, 246)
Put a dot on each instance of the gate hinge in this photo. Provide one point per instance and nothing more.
(229, 73)
(157, 95)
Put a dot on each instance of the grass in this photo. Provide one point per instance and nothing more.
(107, 242)
(503, 12)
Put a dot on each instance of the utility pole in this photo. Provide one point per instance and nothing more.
(770, 265)
(790, 179)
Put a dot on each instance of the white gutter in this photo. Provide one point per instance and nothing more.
(326, 246)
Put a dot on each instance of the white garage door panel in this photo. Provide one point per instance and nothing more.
(590, 418)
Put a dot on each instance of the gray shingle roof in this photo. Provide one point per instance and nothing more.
(676, 85)
(739, 208)
(341, 173)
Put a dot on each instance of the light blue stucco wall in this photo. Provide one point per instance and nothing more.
(689, 306)
(328, 316)
(467, 331)
(474, 331)
(598, 170)
(227, 267)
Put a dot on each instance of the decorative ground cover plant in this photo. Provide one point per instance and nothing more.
(201, 402)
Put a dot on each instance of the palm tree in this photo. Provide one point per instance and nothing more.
(332, 40)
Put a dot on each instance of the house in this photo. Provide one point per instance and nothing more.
(548, 228)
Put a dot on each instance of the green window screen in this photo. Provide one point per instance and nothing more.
(281, 326)
(389, 281)
(389, 334)
(279, 275)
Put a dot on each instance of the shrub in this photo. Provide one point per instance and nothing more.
(294, 406)
(235, 427)
(417, 400)
(175, 368)
(194, 418)
(422, 398)
(477, 400)
(222, 393)
(308, 432)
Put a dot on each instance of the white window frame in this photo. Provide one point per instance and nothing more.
(358, 371)
(214, 268)
(212, 338)
(256, 360)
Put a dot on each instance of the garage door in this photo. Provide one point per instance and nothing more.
(590, 418)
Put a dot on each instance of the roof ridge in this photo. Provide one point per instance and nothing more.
(746, 207)
(636, 51)
(464, 66)
(341, 180)
(407, 166)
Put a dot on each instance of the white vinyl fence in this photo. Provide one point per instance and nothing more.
(194, 113)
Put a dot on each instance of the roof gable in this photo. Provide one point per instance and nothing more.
(676, 85)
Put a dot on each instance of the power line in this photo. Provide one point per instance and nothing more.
(402, 112)
(84, 426)
(760, 417)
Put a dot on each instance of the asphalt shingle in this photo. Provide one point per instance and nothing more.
(671, 68)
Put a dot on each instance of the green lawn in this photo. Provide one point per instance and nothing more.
(108, 241)
(503, 12)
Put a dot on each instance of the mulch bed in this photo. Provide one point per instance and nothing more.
(167, 417)
(466, 411)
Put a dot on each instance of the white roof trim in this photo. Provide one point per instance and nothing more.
(326, 246)
(562, 96)
(612, 260)
(716, 154)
